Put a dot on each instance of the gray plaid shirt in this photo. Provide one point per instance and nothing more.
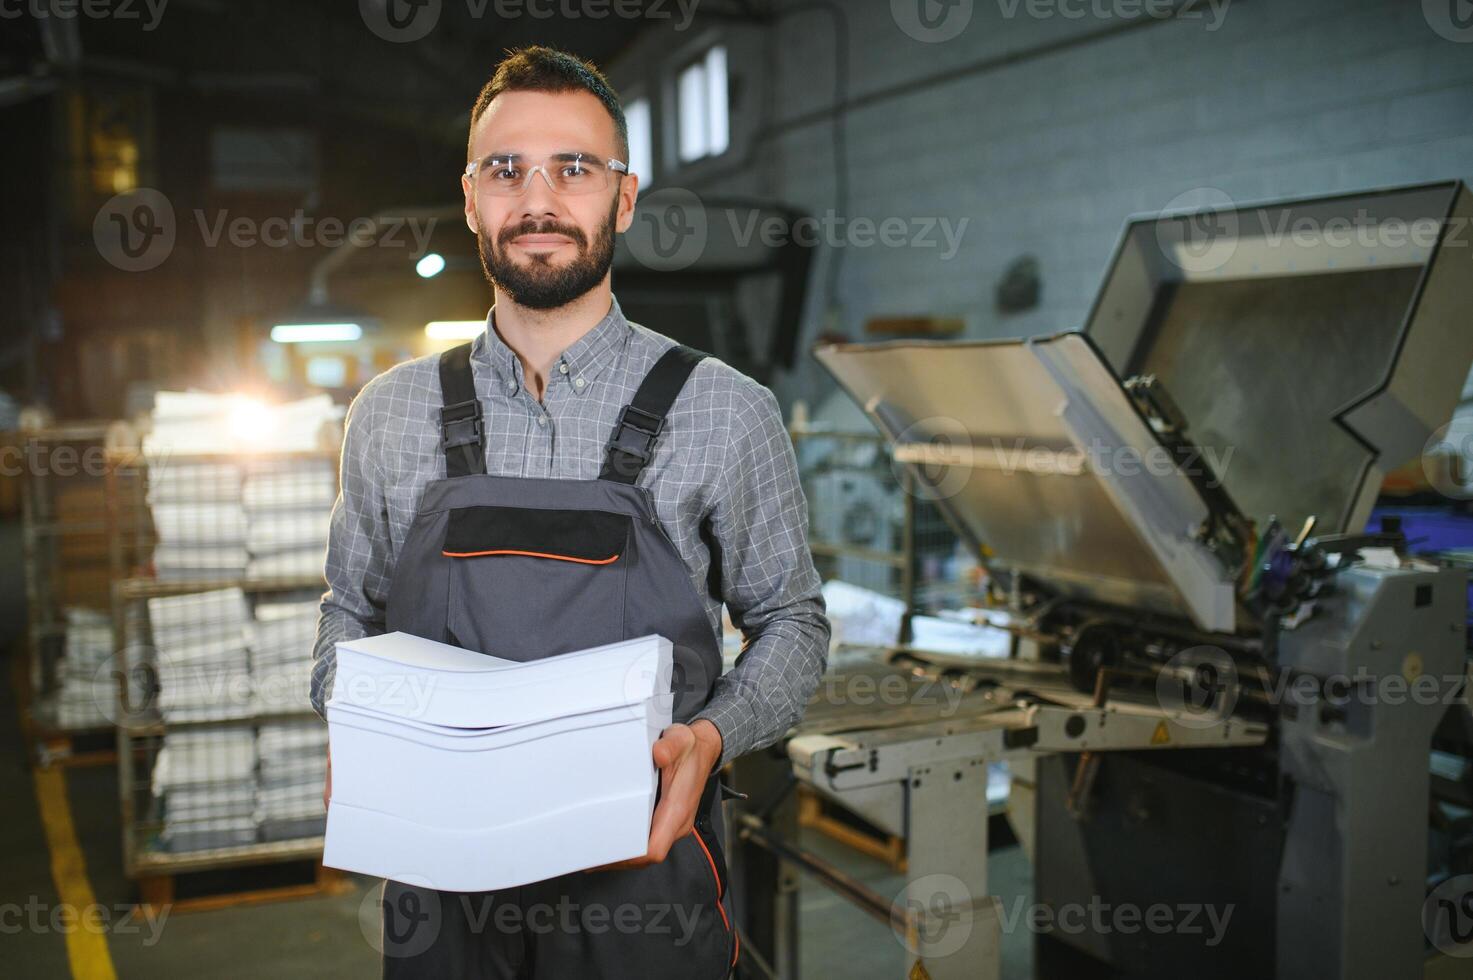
(724, 457)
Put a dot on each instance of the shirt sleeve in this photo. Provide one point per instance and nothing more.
(759, 521)
(359, 563)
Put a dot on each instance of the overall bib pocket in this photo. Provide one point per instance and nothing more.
(529, 582)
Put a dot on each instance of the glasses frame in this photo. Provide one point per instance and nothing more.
(616, 166)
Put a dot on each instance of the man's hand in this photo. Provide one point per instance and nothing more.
(685, 756)
(327, 783)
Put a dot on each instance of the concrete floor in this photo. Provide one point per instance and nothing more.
(319, 937)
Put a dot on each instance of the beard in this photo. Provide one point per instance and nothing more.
(538, 284)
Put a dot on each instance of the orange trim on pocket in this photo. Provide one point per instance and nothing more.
(737, 939)
(530, 554)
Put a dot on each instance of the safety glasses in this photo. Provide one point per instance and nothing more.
(509, 174)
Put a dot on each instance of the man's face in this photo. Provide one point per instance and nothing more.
(541, 248)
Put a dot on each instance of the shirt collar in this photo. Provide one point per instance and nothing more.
(586, 357)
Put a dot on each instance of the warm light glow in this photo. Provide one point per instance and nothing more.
(431, 265)
(454, 329)
(251, 421)
(308, 333)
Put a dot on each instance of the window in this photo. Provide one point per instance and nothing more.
(641, 141)
(701, 96)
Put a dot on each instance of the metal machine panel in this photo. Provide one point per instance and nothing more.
(1035, 453)
(1312, 345)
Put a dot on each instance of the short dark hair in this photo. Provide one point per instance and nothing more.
(543, 69)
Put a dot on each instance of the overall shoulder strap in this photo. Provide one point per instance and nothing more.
(462, 437)
(633, 442)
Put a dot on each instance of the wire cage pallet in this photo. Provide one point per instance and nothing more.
(221, 760)
(66, 537)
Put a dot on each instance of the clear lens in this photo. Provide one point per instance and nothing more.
(506, 174)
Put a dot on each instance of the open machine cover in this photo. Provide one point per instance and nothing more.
(1310, 346)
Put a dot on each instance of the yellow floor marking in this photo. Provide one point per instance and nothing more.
(86, 945)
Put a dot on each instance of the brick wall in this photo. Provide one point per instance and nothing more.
(1042, 125)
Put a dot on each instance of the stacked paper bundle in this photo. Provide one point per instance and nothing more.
(473, 773)
(293, 758)
(206, 779)
(199, 519)
(255, 517)
(201, 655)
(281, 639)
(287, 505)
(89, 643)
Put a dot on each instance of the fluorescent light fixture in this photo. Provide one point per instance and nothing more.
(431, 265)
(308, 333)
(454, 329)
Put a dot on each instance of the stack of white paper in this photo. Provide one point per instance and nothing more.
(198, 517)
(293, 758)
(472, 773)
(281, 658)
(201, 655)
(206, 780)
(288, 503)
(89, 643)
(193, 422)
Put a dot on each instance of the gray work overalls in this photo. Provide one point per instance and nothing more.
(525, 568)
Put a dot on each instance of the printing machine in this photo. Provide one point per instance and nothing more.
(1225, 689)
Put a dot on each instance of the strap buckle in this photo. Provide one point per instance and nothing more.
(641, 438)
(460, 424)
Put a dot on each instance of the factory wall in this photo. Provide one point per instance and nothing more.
(1035, 127)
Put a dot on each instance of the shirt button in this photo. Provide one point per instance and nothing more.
(511, 389)
(563, 367)
(579, 383)
(542, 420)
